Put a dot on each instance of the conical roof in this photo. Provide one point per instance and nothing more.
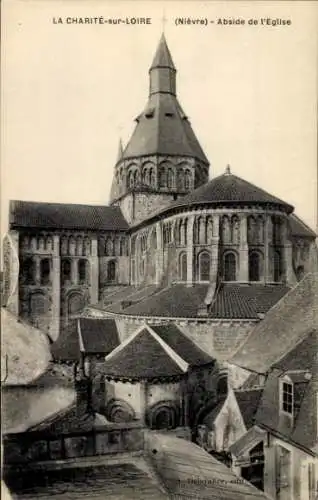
(229, 188)
(162, 57)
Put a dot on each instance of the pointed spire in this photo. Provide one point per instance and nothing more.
(162, 57)
(120, 151)
(162, 71)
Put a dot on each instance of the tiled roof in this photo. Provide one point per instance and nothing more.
(142, 358)
(98, 335)
(233, 301)
(66, 347)
(248, 402)
(182, 345)
(285, 324)
(299, 228)
(66, 216)
(163, 128)
(229, 189)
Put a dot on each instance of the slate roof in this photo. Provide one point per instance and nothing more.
(141, 358)
(188, 471)
(248, 401)
(66, 347)
(299, 228)
(232, 301)
(285, 325)
(168, 356)
(163, 129)
(182, 345)
(99, 336)
(162, 57)
(37, 215)
(228, 189)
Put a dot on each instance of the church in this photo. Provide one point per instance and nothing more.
(179, 268)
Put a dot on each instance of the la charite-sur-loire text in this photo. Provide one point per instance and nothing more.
(101, 20)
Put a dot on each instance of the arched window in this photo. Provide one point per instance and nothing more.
(82, 271)
(66, 271)
(187, 179)
(28, 271)
(170, 178)
(131, 179)
(183, 266)
(145, 177)
(71, 246)
(162, 177)
(109, 247)
(204, 266)
(152, 179)
(111, 271)
(136, 178)
(209, 229)
(277, 266)
(180, 180)
(251, 230)
(254, 266)
(229, 266)
(45, 269)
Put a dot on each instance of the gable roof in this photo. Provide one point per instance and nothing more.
(99, 336)
(162, 355)
(37, 215)
(287, 323)
(182, 345)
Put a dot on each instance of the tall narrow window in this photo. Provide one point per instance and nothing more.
(45, 269)
(66, 271)
(187, 179)
(277, 267)
(183, 266)
(204, 266)
(152, 180)
(229, 267)
(28, 271)
(287, 399)
(83, 271)
(254, 266)
(111, 271)
(162, 177)
(170, 178)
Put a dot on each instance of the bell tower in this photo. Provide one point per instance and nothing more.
(163, 159)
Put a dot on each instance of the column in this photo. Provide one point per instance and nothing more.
(159, 254)
(243, 251)
(268, 278)
(74, 271)
(37, 270)
(287, 254)
(94, 278)
(143, 400)
(215, 249)
(190, 250)
(54, 329)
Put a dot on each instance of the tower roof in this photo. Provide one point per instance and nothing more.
(162, 57)
(163, 128)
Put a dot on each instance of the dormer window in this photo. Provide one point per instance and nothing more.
(287, 396)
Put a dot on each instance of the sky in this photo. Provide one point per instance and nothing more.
(70, 91)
